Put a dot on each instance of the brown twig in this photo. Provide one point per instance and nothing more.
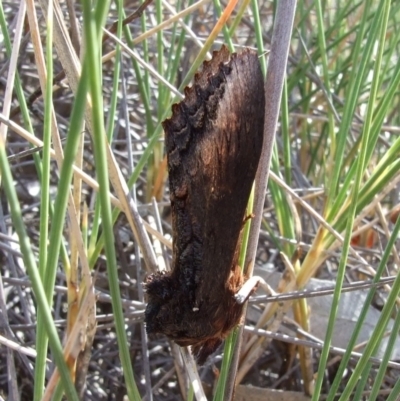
(273, 87)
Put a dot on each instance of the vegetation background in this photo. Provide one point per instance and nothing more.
(72, 265)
